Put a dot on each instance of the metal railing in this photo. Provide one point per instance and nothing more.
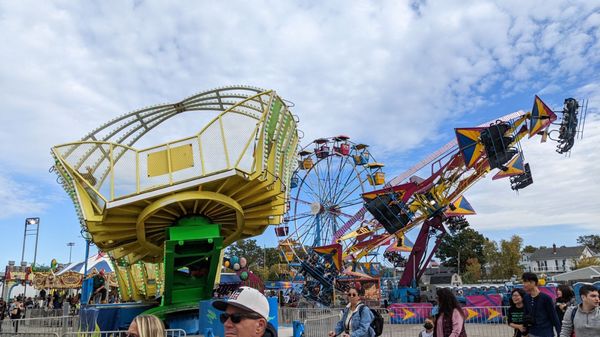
(39, 312)
(288, 315)
(115, 333)
(40, 325)
(120, 333)
(319, 327)
(480, 322)
(30, 334)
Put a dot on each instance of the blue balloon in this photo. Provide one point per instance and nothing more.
(234, 260)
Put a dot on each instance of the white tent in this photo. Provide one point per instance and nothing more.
(98, 261)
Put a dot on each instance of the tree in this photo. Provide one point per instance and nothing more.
(510, 257)
(468, 242)
(473, 271)
(492, 255)
(529, 249)
(248, 248)
(504, 260)
(592, 241)
(586, 262)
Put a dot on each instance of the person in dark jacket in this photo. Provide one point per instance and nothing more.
(246, 313)
(565, 297)
(540, 316)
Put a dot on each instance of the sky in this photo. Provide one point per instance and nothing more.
(398, 75)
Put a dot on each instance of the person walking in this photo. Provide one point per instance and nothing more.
(583, 319)
(450, 320)
(146, 326)
(516, 312)
(2, 312)
(16, 310)
(356, 318)
(246, 314)
(540, 317)
(565, 298)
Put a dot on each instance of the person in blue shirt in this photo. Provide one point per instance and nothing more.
(540, 316)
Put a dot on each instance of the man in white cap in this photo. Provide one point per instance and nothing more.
(246, 313)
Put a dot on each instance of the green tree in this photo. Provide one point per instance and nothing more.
(247, 248)
(492, 256)
(473, 271)
(504, 258)
(468, 242)
(510, 257)
(529, 249)
(586, 262)
(592, 241)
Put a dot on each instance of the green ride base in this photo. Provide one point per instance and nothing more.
(193, 243)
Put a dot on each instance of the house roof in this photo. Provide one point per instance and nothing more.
(591, 272)
(561, 253)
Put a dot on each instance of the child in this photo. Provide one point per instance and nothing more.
(428, 325)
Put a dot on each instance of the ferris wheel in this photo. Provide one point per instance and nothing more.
(325, 195)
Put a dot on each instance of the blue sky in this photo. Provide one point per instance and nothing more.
(398, 75)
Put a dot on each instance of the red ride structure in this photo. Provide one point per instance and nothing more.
(437, 201)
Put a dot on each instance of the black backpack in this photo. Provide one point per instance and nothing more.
(377, 322)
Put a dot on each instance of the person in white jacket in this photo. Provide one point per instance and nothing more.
(586, 319)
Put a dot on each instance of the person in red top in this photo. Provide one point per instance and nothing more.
(450, 320)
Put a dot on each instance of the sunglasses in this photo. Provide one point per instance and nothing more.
(352, 295)
(237, 317)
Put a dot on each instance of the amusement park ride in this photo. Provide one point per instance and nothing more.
(165, 213)
(327, 236)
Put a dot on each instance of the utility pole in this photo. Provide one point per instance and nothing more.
(458, 265)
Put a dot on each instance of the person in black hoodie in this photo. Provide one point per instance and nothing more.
(540, 317)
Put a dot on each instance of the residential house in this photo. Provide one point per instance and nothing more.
(554, 260)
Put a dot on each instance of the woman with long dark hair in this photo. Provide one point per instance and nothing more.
(565, 297)
(450, 320)
(356, 317)
(516, 312)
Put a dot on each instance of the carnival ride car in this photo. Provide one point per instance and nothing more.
(180, 203)
(407, 201)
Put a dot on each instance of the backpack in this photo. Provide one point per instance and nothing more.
(573, 312)
(377, 322)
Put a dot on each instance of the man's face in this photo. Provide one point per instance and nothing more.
(591, 299)
(528, 286)
(247, 327)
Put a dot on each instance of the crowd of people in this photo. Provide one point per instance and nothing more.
(532, 313)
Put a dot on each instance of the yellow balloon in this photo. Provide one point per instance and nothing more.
(226, 264)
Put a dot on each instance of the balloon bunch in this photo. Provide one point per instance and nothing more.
(239, 265)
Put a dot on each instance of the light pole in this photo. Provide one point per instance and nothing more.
(35, 223)
(70, 245)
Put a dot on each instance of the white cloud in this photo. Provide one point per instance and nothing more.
(19, 198)
(391, 74)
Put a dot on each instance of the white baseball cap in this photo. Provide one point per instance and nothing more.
(246, 298)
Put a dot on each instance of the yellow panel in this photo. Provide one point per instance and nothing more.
(181, 158)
